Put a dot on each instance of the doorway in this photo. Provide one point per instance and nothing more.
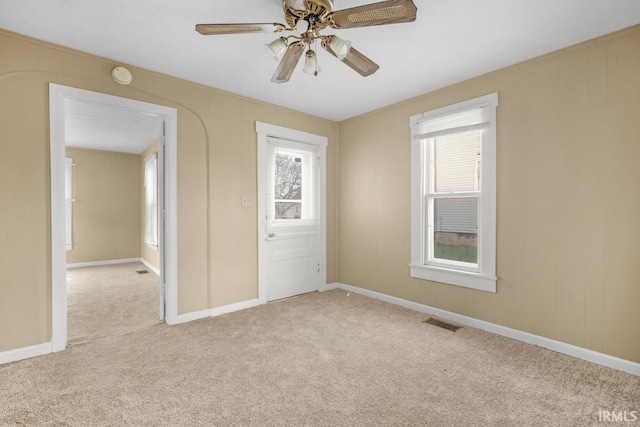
(291, 212)
(62, 100)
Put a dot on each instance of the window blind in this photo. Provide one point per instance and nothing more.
(457, 122)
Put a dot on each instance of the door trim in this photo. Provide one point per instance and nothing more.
(265, 130)
(57, 96)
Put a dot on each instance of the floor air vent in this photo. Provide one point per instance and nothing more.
(142, 271)
(441, 324)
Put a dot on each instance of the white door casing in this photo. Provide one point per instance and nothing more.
(291, 253)
(168, 213)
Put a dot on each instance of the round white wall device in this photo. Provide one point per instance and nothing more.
(121, 75)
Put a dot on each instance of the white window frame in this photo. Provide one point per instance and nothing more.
(68, 202)
(309, 202)
(151, 200)
(426, 267)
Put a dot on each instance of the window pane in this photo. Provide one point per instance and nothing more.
(151, 199)
(456, 229)
(288, 177)
(288, 210)
(288, 186)
(457, 162)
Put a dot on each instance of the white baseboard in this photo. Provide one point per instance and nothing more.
(107, 262)
(234, 307)
(150, 266)
(213, 312)
(558, 346)
(190, 317)
(25, 353)
(328, 287)
(113, 262)
(41, 349)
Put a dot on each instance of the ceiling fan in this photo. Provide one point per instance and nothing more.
(307, 18)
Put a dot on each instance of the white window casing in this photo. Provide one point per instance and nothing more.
(465, 202)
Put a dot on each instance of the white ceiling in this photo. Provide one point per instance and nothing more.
(451, 41)
(110, 128)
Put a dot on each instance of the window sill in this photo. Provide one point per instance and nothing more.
(454, 277)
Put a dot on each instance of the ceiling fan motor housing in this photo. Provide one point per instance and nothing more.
(316, 12)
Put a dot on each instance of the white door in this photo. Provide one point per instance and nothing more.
(291, 213)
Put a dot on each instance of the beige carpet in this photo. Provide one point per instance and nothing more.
(322, 359)
(110, 300)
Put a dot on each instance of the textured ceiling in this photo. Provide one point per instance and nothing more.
(451, 41)
(109, 128)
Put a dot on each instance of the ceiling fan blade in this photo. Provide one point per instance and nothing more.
(215, 29)
(360, 63)
(288, 63)
(383, 13)
(356, 60)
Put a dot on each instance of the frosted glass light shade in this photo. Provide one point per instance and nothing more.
(302, 26)
(311, 63)
(340, 47)
(276, 48)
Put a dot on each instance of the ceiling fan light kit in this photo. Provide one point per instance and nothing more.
(306, 18)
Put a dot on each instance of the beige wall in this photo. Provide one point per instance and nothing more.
(149, 254)
(217, 238)
(106, 211)
(568, 199)
(568, 256)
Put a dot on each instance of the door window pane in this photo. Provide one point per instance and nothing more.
(288, 186)
(288, 210)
